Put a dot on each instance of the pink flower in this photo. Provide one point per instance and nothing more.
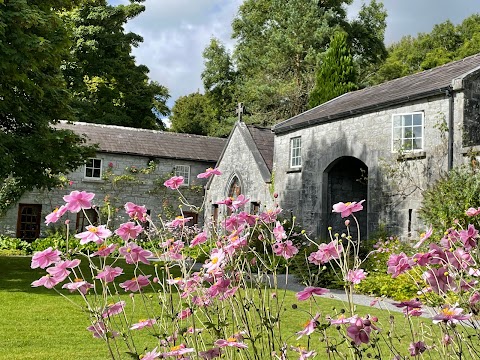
(78, 284)
(97, 234)
(54, 216)
(48, 281)
(439, 280)
(417, 348)
(356, 276)
(179, 221)
(104, 250)
(348, 208)
(199, 239)
(217, 257)
(178, 351)
(184, 314)
(151, 355)
(239, 202)
(230, 342)
(45, 258)
(78, 200)
(136, 212)
(450, 315)
(211, 353)
(209, 172)
(134, 253)
(326, 252)
(310, 291)
(398, 264)
(129, 231)
(469, 237)
(359, 331)
(474, 299)
(113, 309)
(309, 327)
(304, 354)
(135, 284)
(411, 308)
(279, 232)
(174, 182)
(143, 323)
(424, 237)
(60, 271)
(109, 274)
(285, 249)
(472, 212)
(99, 330)
(270, 216)
(422, 259)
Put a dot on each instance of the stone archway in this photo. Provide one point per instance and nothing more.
(347, 181)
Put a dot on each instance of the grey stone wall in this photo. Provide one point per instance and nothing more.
(368, 138)
(239, 161)
(146, 190)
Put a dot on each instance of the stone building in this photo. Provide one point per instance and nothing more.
(414, 128)
(246, 164)
(130, 165)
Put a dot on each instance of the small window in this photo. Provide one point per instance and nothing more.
(193, 215)
(183, 170)
(93, 169)
(254, 208)
(296, 152)
(28, 221)
(407, 132)
(215, 214)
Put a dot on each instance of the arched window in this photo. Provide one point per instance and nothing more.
(235, 188)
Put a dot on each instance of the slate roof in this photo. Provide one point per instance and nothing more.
(413, 87)
(150, 143)
(263, 139)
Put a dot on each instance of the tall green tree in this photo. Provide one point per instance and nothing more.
(281, 42)
(336, 75)
(445, 43)
(33, 96)
(106, 84)
(220, 83)
(191, 114)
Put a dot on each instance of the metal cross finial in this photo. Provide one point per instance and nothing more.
(239, 111)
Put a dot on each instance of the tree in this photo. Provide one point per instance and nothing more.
(33, 96)
(106, 84)
(445, 43)
(336, 74)
(280, 43)
(190, 114)
(220, 84)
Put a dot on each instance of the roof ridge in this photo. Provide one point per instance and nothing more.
(69, 122)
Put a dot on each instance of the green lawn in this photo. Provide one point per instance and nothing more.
(37, 323)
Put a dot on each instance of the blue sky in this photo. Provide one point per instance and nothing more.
(176, 32)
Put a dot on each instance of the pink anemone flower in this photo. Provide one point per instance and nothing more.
(211, 353)
(96, 234)
(346, 209)
(135, 284)
(424, 237)
(309, 327)
(285, 249)
(199, 239)
(231, 342)
(174, 182)
(136, 212)
(54, 216)
(143, 323)
(356, 276)
(78, 200)
(209, 172)
(151, 355)
(113, 309)
(178, 351)
(78, 284)
(450, 315)
(48, 281)
(129, 230)
(104, 250)
(45, 258)
(134, 253)
(310, 291)
(99, 330)
(109, 274)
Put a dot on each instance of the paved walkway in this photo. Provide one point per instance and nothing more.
(358, 299)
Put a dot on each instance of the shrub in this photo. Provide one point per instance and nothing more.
(449, 198)
(13, 246)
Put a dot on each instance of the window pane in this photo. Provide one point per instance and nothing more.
(96, 173)
(417, 131)
(407, 120)
(417, 119)
(88, 172)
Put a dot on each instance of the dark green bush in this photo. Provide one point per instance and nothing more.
(449, 197)
(14, 246)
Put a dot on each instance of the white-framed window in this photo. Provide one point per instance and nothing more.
(183, 170)
(407, 132)
(296, 152)
(93, 169)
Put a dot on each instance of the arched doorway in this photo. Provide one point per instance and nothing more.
(347, 182)
(235, 187)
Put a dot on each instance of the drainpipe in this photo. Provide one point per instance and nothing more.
(449, 93)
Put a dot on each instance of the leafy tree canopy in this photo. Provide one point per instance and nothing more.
(33, 43)
(445, 43)
(106, 84)
(190, 114)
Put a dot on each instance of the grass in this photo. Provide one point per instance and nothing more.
(37, 323)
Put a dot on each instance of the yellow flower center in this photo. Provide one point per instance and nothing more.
(93, 229)
(134, 279)
(214, 260)
(78, 280)
(448, 312)
(348, 203)
(307, 323)
(175, 348)
(142, 320)
(231, 339)
(179, 217)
